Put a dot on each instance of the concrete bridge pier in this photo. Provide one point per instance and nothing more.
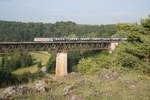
(112, 47)
(61, 64)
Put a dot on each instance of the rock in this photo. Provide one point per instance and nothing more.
(61, 82)
(67, 89)
(110, 75)
(12, 91)
(15, 90)
(130, 82)
(93, 93)
(51, 97)
(2, 97)
(40, 83)
(41, 89)
(40, 86)
(76, 97)
(23, 89)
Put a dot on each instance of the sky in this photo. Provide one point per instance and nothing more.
(79, 11)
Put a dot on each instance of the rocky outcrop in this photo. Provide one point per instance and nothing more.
(109, 75)
(51, 97)
(12, 91)
(16, 90)
(39, 86)
(94, 92)
(76, 97)
(132, 83)
(67, 89)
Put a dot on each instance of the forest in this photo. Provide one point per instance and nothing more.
(19, 31)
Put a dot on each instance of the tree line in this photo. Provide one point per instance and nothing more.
(19, 31)
(12, 62)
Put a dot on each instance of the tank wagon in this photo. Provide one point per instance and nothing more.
(77, 39)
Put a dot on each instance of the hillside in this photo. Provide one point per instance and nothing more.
(39, 57)
(106, 85)
(18, 31)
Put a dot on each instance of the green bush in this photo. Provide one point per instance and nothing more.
(6, 78)
(15, 61)
(134, 54)
(93, 64)
(50, 66)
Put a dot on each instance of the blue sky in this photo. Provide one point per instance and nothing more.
(79, 11)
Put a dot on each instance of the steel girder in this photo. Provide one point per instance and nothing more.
(8, 47)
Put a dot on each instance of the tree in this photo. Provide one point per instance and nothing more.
(136, 52)
(39, 65)
(72, 36)
(18, 31)
(51, 64)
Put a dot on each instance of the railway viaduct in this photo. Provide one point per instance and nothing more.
(61, 47)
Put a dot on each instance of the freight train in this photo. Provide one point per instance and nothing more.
(77, 39)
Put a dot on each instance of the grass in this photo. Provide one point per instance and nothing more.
(31, 69)
(127, 87)
(42, 57)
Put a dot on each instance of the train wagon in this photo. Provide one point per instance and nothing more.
(78, 39)
(42, 39)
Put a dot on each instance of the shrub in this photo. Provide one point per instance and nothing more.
(93, 64)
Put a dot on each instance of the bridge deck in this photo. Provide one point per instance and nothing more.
(55, 42)
(54, 46)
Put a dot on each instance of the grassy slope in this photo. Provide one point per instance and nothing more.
(129, 86)
(33, 69)
(43, 57)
